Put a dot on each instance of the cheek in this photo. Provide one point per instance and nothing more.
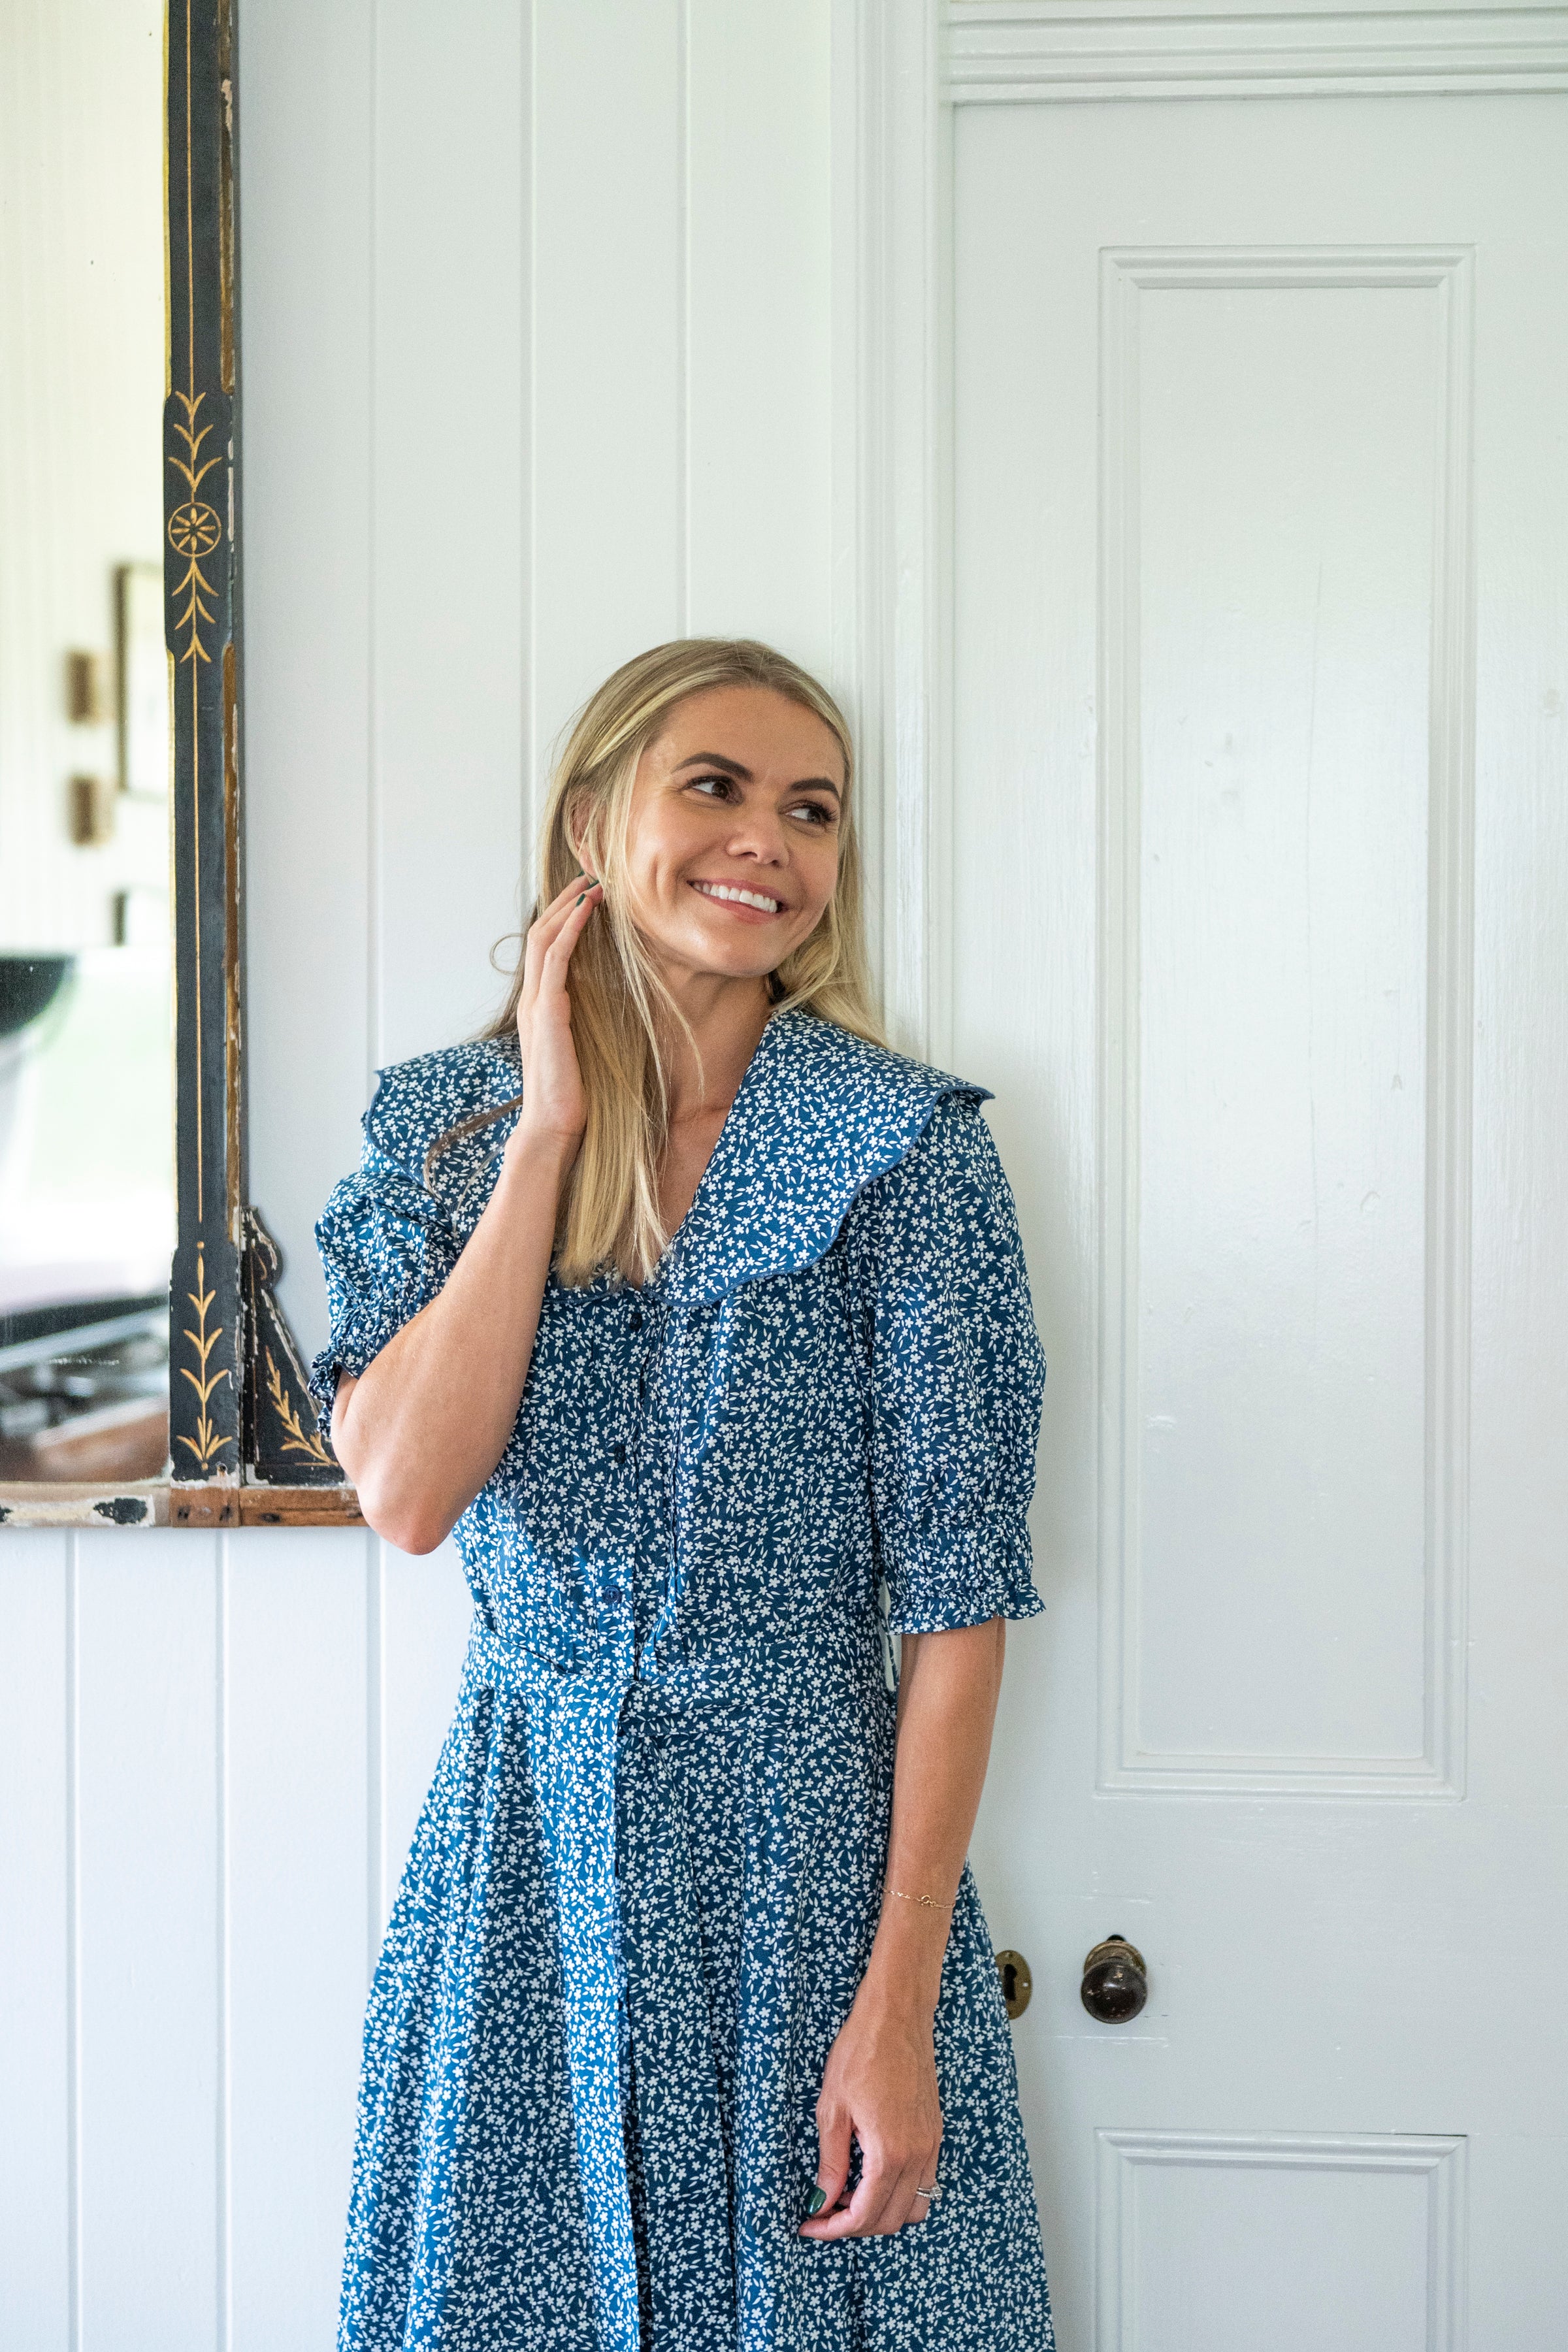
(820, 870)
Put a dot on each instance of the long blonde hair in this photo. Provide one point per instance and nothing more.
(609, 1215)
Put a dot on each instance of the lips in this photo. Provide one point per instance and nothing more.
(737, 894)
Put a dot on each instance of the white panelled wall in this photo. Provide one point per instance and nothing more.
(1117, 462)
(537, 306)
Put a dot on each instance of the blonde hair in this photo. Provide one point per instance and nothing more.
(609, 1214)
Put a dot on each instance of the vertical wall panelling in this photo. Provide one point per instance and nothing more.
(425, 1612)
(548, 338)
(37, 2145)
(148, 1936)
(296, 1865)
(607, 306)
(758, 423)
(449, 526)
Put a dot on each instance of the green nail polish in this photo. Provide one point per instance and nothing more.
(581, 896)
(818, 2200)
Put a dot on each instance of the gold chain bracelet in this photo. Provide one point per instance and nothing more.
(929, 1900)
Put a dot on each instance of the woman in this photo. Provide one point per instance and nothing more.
(700, 1315)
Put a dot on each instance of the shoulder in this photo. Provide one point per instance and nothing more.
(861, 1102)
(417, 1101)
(822, 1116)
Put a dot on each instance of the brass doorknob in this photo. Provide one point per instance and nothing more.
(1115, 1982)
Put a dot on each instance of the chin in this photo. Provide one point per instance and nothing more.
(744, 956)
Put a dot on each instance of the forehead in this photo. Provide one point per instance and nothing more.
(759, 729)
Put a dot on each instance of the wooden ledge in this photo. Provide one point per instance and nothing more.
(157, 1503)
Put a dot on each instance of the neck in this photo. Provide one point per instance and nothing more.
(726, 1018)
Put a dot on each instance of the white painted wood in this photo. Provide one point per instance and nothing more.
(1266, 1082)
(1135, 596)
(1356, 2241)
(890, 483)
(38, 2079)
(151, 2092)
(297, 1872)
(536, 319)
(418, 1634)
(624, 265)
(449, 523)
(1055, 50)
(758, 315)
(610, 281)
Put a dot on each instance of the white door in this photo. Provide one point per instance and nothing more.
(1259, 822)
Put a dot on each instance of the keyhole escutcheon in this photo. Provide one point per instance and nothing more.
(1017, 1984)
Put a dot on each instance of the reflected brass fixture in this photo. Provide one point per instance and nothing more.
(91, 811)
(1017, 1984)
(1115, 1982)
(85, 702)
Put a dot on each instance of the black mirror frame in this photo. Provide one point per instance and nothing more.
(245, 1446)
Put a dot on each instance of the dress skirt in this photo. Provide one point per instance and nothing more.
(634, 1921)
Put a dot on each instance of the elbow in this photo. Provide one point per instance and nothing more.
(392, 1507)
(406, 1521)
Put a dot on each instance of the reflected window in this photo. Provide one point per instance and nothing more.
(87, 1207)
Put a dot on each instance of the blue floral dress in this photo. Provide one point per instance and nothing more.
(643, 1886)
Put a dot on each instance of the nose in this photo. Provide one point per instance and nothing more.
(759, 833)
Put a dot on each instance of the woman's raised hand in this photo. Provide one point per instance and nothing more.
(555, 1103)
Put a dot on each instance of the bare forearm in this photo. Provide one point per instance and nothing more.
(424, 1426)
(947, 1707)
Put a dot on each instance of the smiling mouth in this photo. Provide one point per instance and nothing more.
(734, 895)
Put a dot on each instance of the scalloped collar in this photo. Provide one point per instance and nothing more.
(819, 1115)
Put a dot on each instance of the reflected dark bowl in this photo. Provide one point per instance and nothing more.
(28, 986)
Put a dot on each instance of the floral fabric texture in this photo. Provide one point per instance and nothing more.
(643, 1886)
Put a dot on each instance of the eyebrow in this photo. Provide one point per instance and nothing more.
(744, 775)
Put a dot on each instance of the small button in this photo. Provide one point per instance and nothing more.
(617, 1452)
(615, 1592)
(635, 1318)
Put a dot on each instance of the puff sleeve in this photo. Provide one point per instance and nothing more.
(955, 1377)
(387, 1244)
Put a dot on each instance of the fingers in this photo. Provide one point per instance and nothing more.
(557, 930)
(832, 2171)
(543, 932)
(885, 2198)
(568, 931)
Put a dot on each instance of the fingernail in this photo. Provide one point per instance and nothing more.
(581, 896)
(818, 2200)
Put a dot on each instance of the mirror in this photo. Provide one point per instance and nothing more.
(147, 1376)
(87, 1158)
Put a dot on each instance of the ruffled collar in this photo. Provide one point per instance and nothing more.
(819, 1115)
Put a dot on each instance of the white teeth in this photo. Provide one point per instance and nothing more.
(741, 898)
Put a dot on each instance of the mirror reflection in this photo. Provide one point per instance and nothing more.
(86, 1187)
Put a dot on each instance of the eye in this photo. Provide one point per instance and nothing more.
(724, 787)
(819, 815)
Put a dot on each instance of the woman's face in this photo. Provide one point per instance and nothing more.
(732, 846)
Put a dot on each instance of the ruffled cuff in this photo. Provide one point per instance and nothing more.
(356, 1343)
(958, 1575)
